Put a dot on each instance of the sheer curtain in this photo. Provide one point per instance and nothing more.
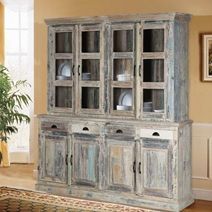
(19, 56)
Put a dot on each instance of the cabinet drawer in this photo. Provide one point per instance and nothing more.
(157, 134)
(86, 128)
(54, 126)
(120, 130)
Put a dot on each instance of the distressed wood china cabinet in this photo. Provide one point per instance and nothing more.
(117, 127)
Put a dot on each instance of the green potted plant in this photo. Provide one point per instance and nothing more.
(12, 101)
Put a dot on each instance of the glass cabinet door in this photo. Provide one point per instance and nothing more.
(153, 71)
(122, 69)
(62, 68)
(91, 69)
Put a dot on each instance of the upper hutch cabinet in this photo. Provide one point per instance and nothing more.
(134, 68)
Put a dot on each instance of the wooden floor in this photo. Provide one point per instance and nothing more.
(21, 176)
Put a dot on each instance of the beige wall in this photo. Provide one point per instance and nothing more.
(1, 33)
(200, 93)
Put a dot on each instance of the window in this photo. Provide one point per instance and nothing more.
(19, 60)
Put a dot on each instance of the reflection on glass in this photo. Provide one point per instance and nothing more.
(153, 40)
(153, 70)
(63, 96)
(90, 69)
(123, 41)
(63, 69)
(153, 100)
(122, 99)
(63, 42)
(90, 97)
(122, 69)
(90, 41)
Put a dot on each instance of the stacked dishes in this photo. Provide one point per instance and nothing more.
(147, 107)
(123, 77)
(86, 76)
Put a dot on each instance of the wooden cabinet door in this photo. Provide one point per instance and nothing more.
(53, 158)
(155, 168)
(120, 165)
(85, 169)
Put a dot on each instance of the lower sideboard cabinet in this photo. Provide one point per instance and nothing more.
(142, 166)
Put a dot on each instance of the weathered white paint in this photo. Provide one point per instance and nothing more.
(129, 157)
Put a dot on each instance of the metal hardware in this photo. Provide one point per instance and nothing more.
(85, 129)
(73, 67)
(139, 70)
(134, 169)
(79, 70)
(155, 134)
(134, 70)
(119, 131)
(54, 126)
(71, 160)
(66, 160)
(139, 168)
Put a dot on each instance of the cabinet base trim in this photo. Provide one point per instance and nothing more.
(202, 194)
(109, 196)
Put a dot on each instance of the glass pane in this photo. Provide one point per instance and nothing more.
(153, 40)
(63, 42)
(11, 18)
(25, 19)
(63, 69)
(90, 69)
(12, 41)
(153, 70)
(153, 100)
(123, 41)
(90, 97)
(122, 69)
(90, 41)
(63, 96)
(24, 41)
(12, 62)
(122, 99)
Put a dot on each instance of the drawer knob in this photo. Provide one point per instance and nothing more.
(119, 131)
(85, 129)
(155, 134)
(54, 126)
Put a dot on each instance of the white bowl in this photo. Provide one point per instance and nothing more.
(123, 107)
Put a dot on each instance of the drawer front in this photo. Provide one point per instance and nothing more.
(157, 134)
(120, 130)
(86, 128)
(54, 126)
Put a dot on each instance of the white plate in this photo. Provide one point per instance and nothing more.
(64, 69)
(126, 98)
(159, 111)
(123, 107)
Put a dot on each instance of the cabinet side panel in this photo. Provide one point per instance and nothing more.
(181, 71)
(184, 164)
